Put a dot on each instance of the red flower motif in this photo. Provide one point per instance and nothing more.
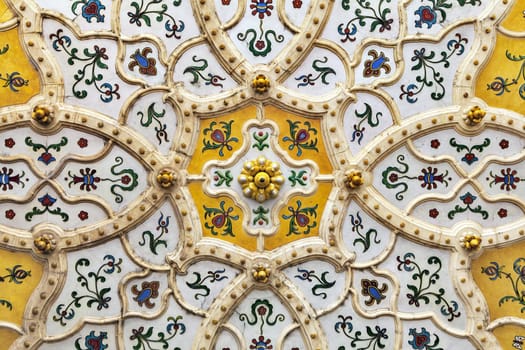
(297, 4)
(435, 143)
(261, 310)
(259, 44)
(502, 213)
(10, 214)
(393, 177)
(504, 144)
(125, 179)
(83, 215)
(9, 143)
(433, 213)
(82, 142)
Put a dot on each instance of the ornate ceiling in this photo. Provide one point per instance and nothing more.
(288, 174)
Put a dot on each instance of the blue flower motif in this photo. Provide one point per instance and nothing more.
(426, 15)
(46, 200)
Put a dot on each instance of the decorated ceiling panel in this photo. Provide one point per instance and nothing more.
(262, 174)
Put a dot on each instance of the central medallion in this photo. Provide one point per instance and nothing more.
(261, 179)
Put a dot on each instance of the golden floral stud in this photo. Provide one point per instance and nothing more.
(166, 178)
(43, 115)
(354, 179)
(261, 273)
(261, 83)
(45, 243)
(471, 241)
(261, 179)
(475, 115)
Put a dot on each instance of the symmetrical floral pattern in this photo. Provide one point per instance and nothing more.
(262, 174)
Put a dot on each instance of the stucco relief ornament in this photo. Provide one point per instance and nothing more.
(261, 273)
(45, 243)
(261, 179)
(43, 115)
(166, 178)
(471, 241)
(475, 115)
(261, 83)
(353, 179)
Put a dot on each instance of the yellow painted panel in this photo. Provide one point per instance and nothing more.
(499, 83)
(8, 336)
(220, 137)
(514, 20)
(297, 218)
(506, 334)
(19, 80)
(496, 273)
(20, 275)
(5, 13)
(299, 143)
(221, 218)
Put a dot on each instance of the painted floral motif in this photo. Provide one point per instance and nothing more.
(364, 239)
(320, 281)
(126, 179)
(422, 291)
(92, 341)
(199, 285)
(371, 118)
(87, 75)
(430, 177)
(494, 271)
(222, 177)
(145, 340)
(507, 181)
(517, 342)
(15, 275)
(422, 340)
(142, 13)
(298, 178)
(262, 315)
(153, 116)
(221, 220)
(469, 157)
(148, 291)
(301, 139)
(90, 9)
(428, 74)
(372, 340)
(147, 65)
(219, 138)
(14, 81)
(301, 220)
(156, 240)
(46, 157)
(428, 14)
(260, 43)
(501, 85)
(468, 199)
(8, 179)
(197, 72)
(374, 14)
(46, 201)
(92, 282)
(261, 215)
(377, 63)
(371, 289)
(322, 73)
(261, 140)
